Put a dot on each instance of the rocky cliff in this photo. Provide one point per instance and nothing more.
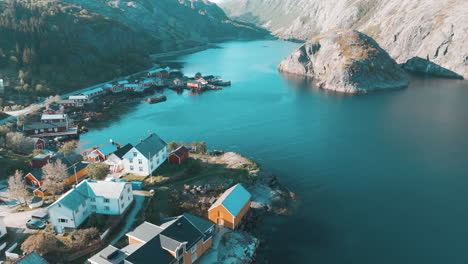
(433, 29)
(346, 61)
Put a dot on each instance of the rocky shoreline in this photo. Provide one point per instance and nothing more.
(346, 61)
(270, 198)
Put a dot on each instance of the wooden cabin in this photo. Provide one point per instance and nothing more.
(231, 207)
(179, 155)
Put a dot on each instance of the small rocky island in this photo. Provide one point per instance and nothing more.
(346, 61)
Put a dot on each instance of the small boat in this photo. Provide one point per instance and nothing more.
(157, 99)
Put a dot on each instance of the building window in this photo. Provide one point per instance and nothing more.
(140, 161)
(194, 248)
(194, 257)
(93, 207)
(131, 168)
(129, 198)
(135, 154)
(128, 190)
(63, 220)
(106, 200)
(106, 208)
(141, 168)
(131, 160)
(122, 205)
(93, 199)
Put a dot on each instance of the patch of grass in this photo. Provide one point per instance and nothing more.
(11, 161)
(134, 177)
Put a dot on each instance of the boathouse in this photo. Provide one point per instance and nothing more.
(231, 207)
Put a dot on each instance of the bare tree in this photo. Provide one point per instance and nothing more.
(68, 147)
(55, 176)
(19, 143)
(16, 187)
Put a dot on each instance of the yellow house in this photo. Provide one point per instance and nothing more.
(231, 207)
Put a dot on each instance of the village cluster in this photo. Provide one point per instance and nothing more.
(55, 121)
(180, 239)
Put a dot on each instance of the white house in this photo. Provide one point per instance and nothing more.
(80, 99)
(88, 197)
(146, 156)
(3, 229)
(115, 160)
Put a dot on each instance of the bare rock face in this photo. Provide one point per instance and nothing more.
(404, 28)
(346, 61)
(427, 67)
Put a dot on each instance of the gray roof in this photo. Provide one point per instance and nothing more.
(108, 189)
(109, 255)
(159, 240)
(151, 144)
(145, 232)
(38, 125)
(169, 243)
(130, 248)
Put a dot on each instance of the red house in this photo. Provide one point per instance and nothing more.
(39, 161)
(39, 143)
(131, 87)
(179, 155)
(161, 73)
(67, 103)
(34, 178)
(44, 128)
(54, 118)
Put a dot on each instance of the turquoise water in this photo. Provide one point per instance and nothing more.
(381, 178)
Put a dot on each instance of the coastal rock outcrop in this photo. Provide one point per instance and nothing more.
(427, 67)
(346, 61)
(404, 28)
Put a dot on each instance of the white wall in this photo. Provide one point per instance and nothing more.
(115, 206)
(98, 205)
(145, 168)
(3, 229)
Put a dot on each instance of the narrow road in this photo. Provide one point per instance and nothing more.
(156, 56)
(139, 199)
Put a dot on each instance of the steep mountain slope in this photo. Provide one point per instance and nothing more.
(52, 46)
(405, 28)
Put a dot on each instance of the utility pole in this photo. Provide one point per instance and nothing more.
(76, 177)
(149, 167)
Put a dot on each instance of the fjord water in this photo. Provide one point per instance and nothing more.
(381, 178)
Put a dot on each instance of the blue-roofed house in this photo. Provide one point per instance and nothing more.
(231, 207)
(88, 197)
(103, 152)
(32, 258)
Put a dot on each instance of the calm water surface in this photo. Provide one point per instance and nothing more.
(382, 178)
